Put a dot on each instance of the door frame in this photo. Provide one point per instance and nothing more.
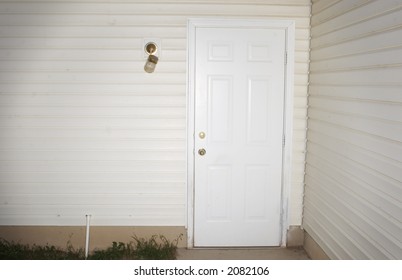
(289, 27)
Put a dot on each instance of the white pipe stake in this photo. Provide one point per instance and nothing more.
(87, 237)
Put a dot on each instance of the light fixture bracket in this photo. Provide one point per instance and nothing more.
(151, 48)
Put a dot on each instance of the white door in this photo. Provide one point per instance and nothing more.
(239, 108)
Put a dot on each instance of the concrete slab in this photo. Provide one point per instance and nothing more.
(243, 254)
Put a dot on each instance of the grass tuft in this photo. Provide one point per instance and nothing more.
(154, 248)
(16, 251)
(118, 251)
(157, 247)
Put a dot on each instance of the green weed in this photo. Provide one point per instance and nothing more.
(15, 251)
(154, 248)
(118, 251)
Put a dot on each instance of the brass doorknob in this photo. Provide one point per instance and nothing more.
(202, 152)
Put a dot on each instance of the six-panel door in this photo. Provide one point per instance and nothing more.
(239, 106)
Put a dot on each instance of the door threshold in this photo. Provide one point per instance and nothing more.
(236, 248)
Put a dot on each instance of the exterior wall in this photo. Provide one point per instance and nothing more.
(353, 193)
(84, 130)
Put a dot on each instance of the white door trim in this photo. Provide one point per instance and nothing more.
(289, 27)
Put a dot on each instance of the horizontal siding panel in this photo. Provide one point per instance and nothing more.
(95, 144)
(378, 59)
(299, 124)
(299, 147)
(79, 67)
(299, 157)
(353, 193)
(301, 67)
(42, 19)
(379, 144)
(389, 93)
(361, 45)
(123, 217)
(301, 136)
(106, 32)
(49, 19)
(92, 166)
(122, 43)
(378, 15)
(89, 87)
(353, 222)
(300, 113)
(57, 132)
(95, 89)
(301, 56)
(381, 167)
(303, 44)
(344, 249)
(79, 116)
(97, 220)
(86, 54)
(94, 69)
(384, 111)
(298, 173)
(320, 5)
(153, 9)
(83, 155)
(110, 220)
(55, 177)
(383, 24)
(380, 128)
(89, 101)
(149, 186)
(346, 224)
(300, 91)
(386, 196)
(99, 122)
(150, 211)
(375, 76)
(314, 223)
(147, 201)
(336, 9)
(301, 79)
(126, 111)
(92, 31)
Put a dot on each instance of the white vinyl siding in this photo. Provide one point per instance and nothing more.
(353, 193)
(84, 130)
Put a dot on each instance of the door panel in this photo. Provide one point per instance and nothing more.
(220, 108)
(257, 178)
(258, 111)
(239, 99)
(219, 187)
